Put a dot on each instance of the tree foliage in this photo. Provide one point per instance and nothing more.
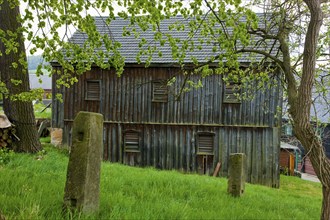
(56, 22)
(15, 80)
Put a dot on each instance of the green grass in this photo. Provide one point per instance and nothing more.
(47, 113)
(32, 187)
(45, 140)
(41, 112)
(44, 71)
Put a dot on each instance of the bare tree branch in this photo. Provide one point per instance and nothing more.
(264, 53)
(217, 17)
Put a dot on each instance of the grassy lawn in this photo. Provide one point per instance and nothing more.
(32, 187)
(39, 111)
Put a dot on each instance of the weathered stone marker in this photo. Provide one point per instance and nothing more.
(83, 175)
(236, 174)
(56, 136)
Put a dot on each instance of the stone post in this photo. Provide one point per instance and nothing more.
(56, 135)
(236, 174)
(83, 174)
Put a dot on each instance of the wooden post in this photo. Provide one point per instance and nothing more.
(217, 169)
(43, 125)
(83, 175)
(236, 174)
(56, 136)
(291, 164)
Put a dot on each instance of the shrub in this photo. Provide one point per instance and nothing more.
(5, 156)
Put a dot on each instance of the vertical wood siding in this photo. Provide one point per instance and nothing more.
(168, 130)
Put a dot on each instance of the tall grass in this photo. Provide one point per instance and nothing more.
(32, 187)
(40, 111)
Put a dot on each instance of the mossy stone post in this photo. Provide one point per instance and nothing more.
(83, 174)
(236, 174)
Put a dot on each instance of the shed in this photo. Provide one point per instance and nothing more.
(147, 124)
(289, 158)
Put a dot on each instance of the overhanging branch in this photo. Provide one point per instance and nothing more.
(275, 59)
(219, 20)
(262, 33)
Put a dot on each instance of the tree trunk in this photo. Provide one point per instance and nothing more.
(325, 204)
(20, 113)
(320, 162)
(300, 106)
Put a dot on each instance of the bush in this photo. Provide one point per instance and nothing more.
(5, 156)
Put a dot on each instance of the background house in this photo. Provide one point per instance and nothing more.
(147, 122)
(44, 82)
(320, 116)
(290, 157)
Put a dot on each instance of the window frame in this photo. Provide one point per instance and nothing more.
(87, 98)
(205, 134)
(155, 91)
(230, 89)
(130, 150)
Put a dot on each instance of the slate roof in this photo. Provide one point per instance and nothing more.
(321, 109)
(35, 84)
(130, 49)
(289, 146)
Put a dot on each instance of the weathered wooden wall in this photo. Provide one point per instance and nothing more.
(128, 99)
(168, 130)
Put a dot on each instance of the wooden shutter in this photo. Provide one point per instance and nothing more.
(205, 143)
(131, 141)
(93, 90)
(231, 93)
(159, 91)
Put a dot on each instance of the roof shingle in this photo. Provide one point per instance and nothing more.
(130, 49)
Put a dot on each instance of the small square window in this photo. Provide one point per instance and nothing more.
(205, 143)
(93, 90)
(287, 129)
(131, 141)
(159, 91)
(232, 93)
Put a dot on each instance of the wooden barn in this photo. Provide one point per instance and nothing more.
(146, 122)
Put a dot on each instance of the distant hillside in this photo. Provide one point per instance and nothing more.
(34, 61)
